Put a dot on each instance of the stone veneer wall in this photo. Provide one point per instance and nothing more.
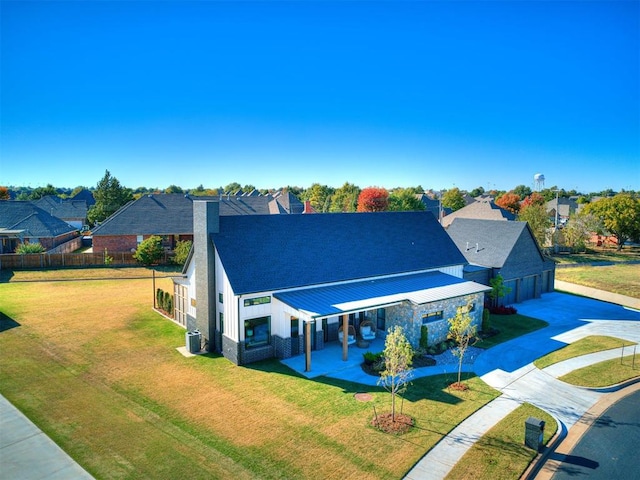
(409, 317)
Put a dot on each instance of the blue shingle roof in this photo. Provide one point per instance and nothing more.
(276, 252)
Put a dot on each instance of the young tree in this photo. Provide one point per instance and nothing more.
(464, 333)
(403, 200)
(509, 201)
(576, 232)
(498, 289)
(398, 356)
(373, 199)
(620, 215)
(149, 251)
(453, 199)
(109, 196)
(345, 198)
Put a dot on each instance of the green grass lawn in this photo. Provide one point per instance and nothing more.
(501, 453)
(598, 256)
(510, 326)
(622, 278)
(97, 369)
(584, 346)
(605, 374)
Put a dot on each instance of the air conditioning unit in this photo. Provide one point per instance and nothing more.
(193, 341)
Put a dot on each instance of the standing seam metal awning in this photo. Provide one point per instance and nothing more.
(352, 297)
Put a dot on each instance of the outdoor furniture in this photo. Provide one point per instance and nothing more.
(351, 335)
(368, 330)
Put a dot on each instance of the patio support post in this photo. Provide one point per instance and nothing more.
(307, 345)
(345, 337)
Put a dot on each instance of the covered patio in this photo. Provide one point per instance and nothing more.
(328, 361)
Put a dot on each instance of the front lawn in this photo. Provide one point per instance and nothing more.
(621, 278)
(607, 373)
(584, 346)
(97, 369)
(509, 327)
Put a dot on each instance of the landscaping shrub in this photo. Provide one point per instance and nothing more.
(424, 336)
(26, 248)
(502, 310)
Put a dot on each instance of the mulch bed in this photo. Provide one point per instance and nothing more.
(402, 424)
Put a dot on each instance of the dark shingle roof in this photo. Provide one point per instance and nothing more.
(172, 214)
(263, 253)
(33, 220)
(480, 210)
(495, 239)
(65, 209)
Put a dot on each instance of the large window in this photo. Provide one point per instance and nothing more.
(432, 317)
(257, 331)
(221, 322)
(256, 301)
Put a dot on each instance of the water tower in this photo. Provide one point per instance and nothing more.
(538, 180)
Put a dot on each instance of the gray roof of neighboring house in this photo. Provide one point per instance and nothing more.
(172, 213)
(481, 210)
(565, 206)
(32, 220)
(498, 244)
(275, 252)
(65, 209)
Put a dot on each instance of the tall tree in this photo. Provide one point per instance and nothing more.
(319, 196)
(522, 191)
(453, 199)
(4, 193)
(345, 198)
(109, 196)
(398, 357)
(535, 214)
(620, 215)
(373, 199)
(40, 192)
(509, 201)
(403, 200)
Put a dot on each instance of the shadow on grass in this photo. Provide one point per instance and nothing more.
(7, 323)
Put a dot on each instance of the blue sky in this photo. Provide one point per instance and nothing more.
(430, 93)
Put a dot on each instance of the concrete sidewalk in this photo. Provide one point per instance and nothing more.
(508, 368)
(610, 297)
(26, 453)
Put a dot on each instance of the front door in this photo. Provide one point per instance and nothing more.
(295, 336)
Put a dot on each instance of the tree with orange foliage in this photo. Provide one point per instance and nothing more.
(534, 199)
(373, 199)
(509, 201)
(4, 193)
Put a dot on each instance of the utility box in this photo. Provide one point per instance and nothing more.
(533, 433)
(193, 341)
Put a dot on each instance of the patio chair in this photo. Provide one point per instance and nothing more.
(368, 330)
(351, 335)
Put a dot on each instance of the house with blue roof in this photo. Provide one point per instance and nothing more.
(275, 286)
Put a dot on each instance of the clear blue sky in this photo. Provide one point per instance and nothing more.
(438, 94)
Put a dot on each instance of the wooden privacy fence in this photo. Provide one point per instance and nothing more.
(14, 261)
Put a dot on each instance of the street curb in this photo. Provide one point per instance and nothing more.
(538, 463)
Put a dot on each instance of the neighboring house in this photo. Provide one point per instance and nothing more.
(495, 247)
(254, 285)
(484, 209)
(433, 205)
(24, 222)
(560, 209)
(72, 211)
(170, 216)
(85, 195)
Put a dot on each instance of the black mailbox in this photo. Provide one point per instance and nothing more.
(533, 433)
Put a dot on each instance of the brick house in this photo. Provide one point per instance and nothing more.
(256, 286)
(170, 216)
(25, 222)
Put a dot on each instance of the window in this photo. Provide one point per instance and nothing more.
(257, 331)
(193, 302)
(257, 301)
(220, 298)
(139, 239)
(295, 327)
(432, 317)
(221, 322)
